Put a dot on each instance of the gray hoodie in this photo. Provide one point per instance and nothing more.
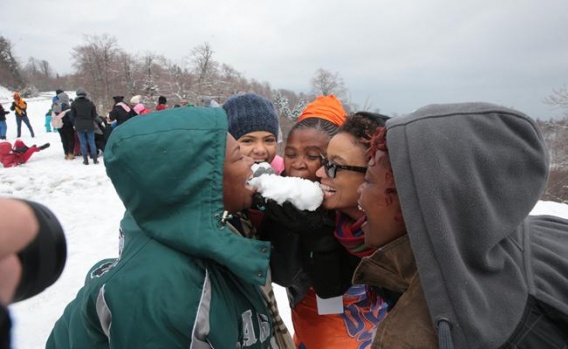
(467, 176)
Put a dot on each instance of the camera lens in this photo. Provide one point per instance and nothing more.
(44, 258)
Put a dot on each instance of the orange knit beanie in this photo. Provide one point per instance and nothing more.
(325, 107)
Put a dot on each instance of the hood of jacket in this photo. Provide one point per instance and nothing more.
(467, 177)
(63, 97)
(167, 169)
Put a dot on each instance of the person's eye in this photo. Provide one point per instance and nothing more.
(246, 141)
(290, 155)
(270, 140)
(314, 157)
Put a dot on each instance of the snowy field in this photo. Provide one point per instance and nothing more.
(85, 202)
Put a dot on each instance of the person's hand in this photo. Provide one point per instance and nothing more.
(293, 219)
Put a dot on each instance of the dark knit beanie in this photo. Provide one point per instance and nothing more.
(81, 92)
(250, 113)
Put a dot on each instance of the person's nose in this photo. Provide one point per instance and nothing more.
(360, 188)
(321, 173)
(260, 148)
(299, 164)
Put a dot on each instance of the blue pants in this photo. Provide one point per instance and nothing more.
(3, 129)
(87, 138)
(26, 121)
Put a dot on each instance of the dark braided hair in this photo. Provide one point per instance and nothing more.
(362, 125)
(317, 124)
(378, 141)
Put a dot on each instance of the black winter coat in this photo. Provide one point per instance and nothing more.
(305, 253)
(84, 113)
(3, 113)
(119, 114)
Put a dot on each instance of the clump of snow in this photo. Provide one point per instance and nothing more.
(302, 193)
(261, 168)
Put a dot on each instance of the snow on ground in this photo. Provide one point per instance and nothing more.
(85, 202)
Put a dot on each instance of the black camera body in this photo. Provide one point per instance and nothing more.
(44, 258)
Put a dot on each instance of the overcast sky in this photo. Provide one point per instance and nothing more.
(394, 55)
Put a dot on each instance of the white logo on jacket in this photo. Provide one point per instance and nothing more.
(249, 335)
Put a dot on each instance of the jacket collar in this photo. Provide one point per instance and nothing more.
(391, 267)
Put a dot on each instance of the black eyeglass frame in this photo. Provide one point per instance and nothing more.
(331, 168)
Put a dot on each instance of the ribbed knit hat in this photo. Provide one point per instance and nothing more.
(325, 107)
(135, 100)
(250, 113)
(81, 92)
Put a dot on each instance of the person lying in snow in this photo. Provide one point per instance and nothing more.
(19, 154)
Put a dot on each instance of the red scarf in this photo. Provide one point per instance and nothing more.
(350, 235)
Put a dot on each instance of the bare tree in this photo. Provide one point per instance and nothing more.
(128, 68)
(558, 99)
(39, 74)
(10, 69)
(555, 134)
(232, 82)
(150, 71)
(179, 81)
(45, 69)
(97, 62)
(327, 83)
(205, 68)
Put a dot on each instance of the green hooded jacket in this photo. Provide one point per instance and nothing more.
(184, 279)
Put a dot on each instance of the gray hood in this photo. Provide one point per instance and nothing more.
(467, 176)
(63, 97)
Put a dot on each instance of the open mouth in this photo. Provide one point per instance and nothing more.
(248, 185)
(327, 190)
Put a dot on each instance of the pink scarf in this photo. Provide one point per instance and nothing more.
(124, 106)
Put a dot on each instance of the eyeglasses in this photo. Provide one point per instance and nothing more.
(331, 168)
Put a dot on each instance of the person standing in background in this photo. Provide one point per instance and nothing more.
(120, 111)
(62, 122)
(19, 106)
(84, 114)
(3, 125)
(48, 121)
(162, 103)
(138, 108)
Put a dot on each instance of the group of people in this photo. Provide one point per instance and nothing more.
(423, 238)
(122, 111)
(76, 119)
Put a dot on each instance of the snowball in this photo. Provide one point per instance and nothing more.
(302, 193)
